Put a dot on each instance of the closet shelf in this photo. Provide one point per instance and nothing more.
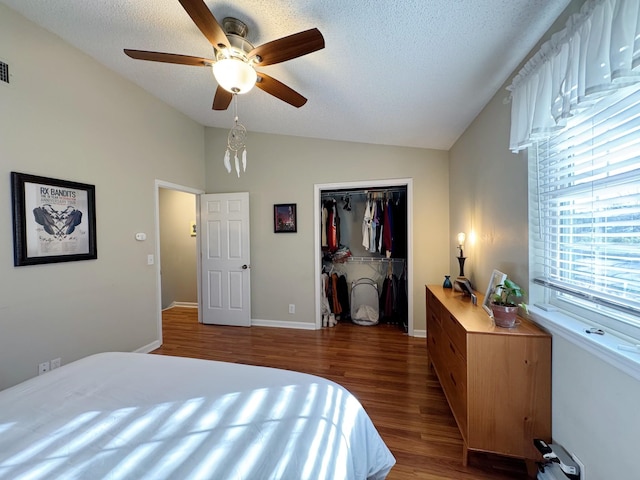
(374, 259)
(356, 192)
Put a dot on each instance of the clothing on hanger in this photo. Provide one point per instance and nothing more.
(366, 225)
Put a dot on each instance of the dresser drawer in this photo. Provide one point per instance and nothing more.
(435, 344)
(454, 362)
(453, 377)
(434, 309)
(455, 332)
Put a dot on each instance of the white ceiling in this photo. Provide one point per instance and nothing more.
(396, 72)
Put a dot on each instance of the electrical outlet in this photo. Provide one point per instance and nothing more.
(44, 367)
(55, 363)
(580, 464)
(292, 308)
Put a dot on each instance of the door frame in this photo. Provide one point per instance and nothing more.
(363, 184)
(180, 188)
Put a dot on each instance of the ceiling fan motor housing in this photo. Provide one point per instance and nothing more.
(239, 48)
(233, 26)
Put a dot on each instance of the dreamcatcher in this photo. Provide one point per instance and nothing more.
(236, 143)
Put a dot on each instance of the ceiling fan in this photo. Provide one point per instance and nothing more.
(235, 58)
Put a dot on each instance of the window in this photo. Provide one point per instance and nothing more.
(584, 183)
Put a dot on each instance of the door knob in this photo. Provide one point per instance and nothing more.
(245, 266)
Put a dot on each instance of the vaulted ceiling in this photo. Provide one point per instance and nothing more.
(411, 72)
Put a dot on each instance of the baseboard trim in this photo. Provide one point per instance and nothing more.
(181, 304)
(149, 347)
(256, 322)
(420, 333)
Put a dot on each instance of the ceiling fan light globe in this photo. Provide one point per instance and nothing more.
(234, 75)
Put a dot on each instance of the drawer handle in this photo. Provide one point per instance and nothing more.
(453, 379)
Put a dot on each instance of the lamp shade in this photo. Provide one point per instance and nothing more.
(234, 75)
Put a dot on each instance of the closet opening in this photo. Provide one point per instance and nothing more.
(363, 253)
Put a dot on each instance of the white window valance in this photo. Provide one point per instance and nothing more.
(597, 53)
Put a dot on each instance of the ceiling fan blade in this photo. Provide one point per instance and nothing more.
(222, 99)
(280, 90)
(287, 48)
(169, 58)
(206, 22)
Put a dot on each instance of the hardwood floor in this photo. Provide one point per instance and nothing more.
(383, 367)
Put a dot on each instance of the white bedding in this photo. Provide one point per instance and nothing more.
(140, 416)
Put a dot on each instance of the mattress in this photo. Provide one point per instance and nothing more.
(140, 416)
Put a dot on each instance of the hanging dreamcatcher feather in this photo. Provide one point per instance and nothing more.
(227, 161)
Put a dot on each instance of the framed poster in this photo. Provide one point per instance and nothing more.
(284, 218)
(53, 220)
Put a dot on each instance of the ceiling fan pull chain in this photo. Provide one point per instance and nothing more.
(235, 107)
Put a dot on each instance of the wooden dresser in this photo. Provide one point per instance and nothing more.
(497, 380)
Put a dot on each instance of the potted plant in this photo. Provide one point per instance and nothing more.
(503, 303)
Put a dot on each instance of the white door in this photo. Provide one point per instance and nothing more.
(226, 278)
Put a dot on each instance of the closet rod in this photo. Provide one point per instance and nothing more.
(334, 193)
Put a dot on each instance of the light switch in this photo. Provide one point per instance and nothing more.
(141, 237)
(150, 260)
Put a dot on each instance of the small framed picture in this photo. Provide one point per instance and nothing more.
(284, 218)
(53, 220)
(497, 278)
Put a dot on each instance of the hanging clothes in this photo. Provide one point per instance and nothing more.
(336, 307)
(380, 225)
(366, 225)
(323, 231)
(336, 220)
(387, 232)
(329, 292)
(400, 227)
(402, 301)
(325, 307)
(343, 297)
(333, 226)
(374, 226)
(386, 300)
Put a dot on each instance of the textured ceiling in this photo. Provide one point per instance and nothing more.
(396, 72)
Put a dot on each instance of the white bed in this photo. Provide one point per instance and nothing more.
(140, 416)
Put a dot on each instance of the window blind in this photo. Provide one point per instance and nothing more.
(586, 192)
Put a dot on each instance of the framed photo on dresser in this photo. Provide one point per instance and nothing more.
(497, 278)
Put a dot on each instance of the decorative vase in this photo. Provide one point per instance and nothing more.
(504, 316)
(447, 282)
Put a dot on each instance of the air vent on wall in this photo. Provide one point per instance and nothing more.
(4, 72)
